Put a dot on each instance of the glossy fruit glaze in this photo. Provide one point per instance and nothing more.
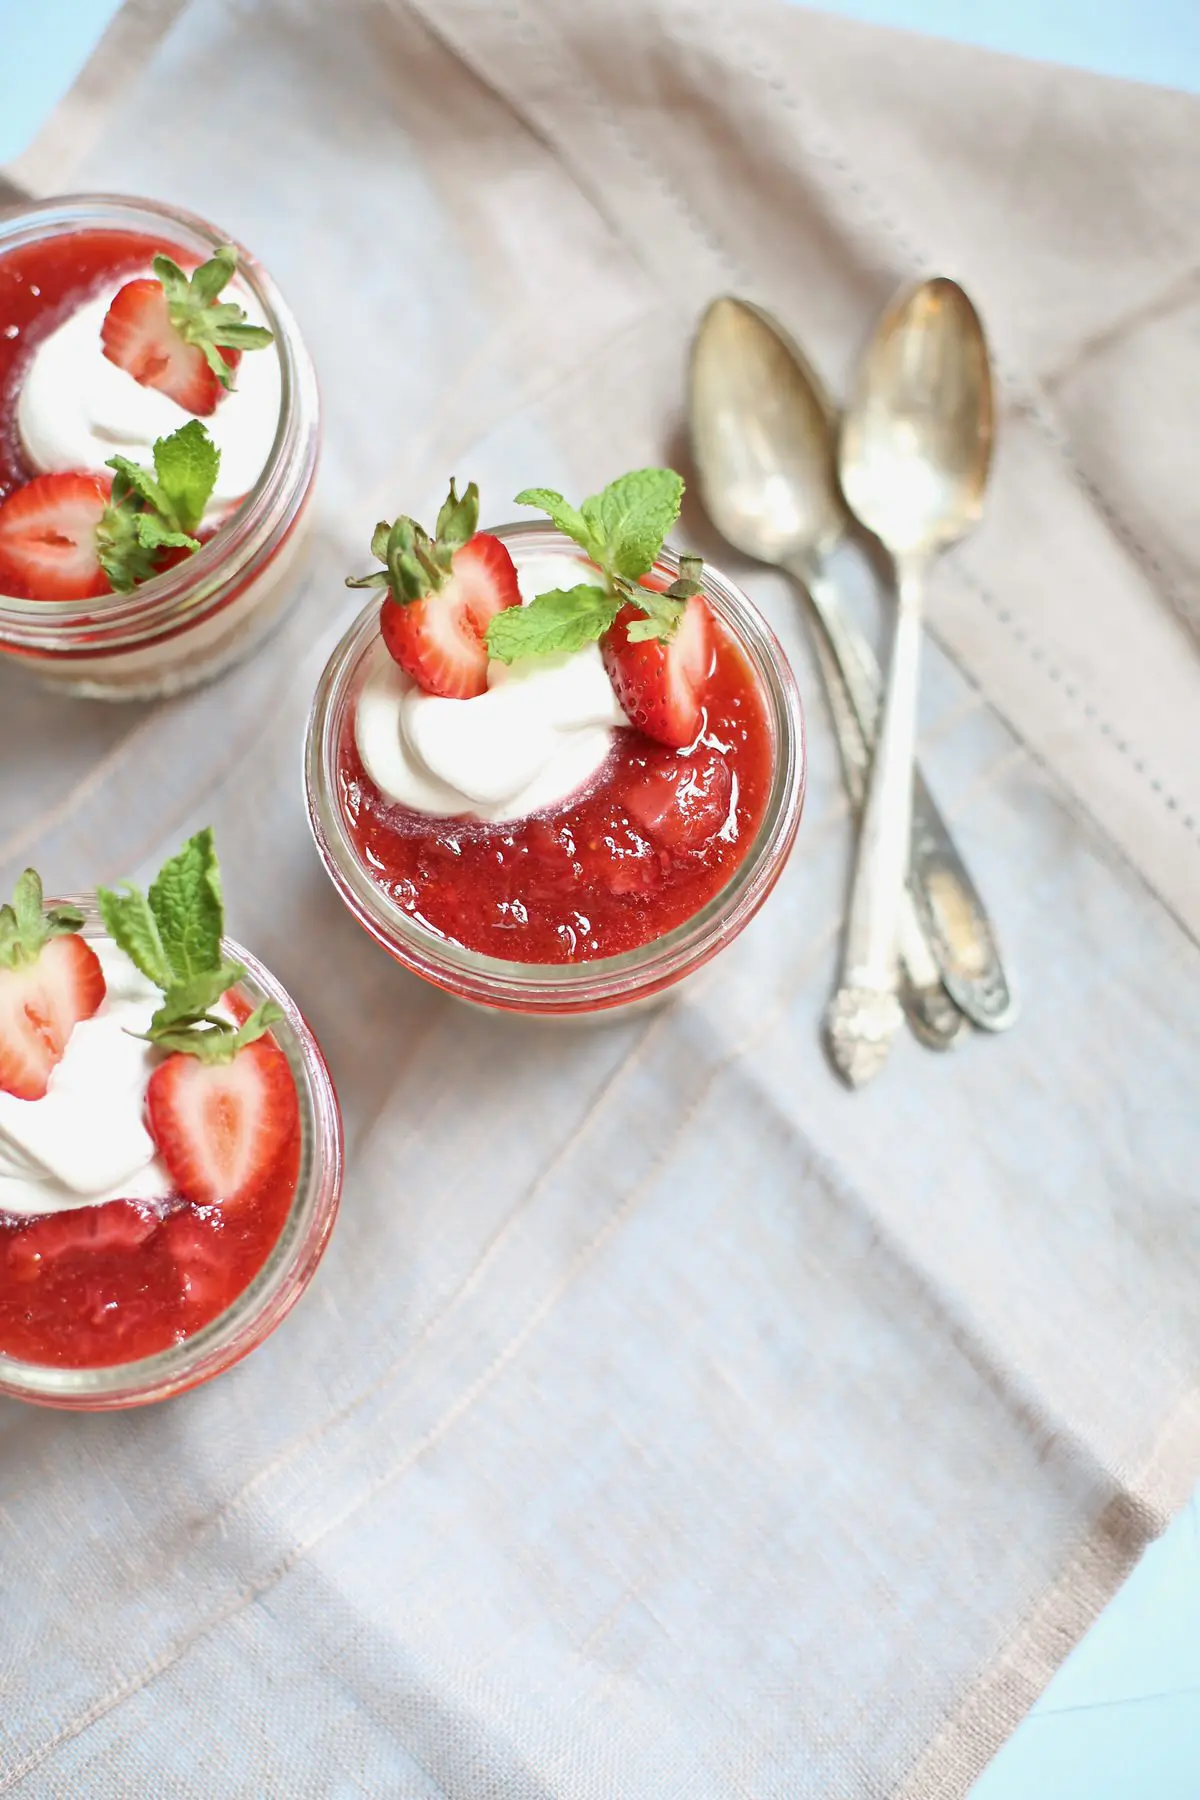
(639, 852)
(41, 284)
(106, 1284)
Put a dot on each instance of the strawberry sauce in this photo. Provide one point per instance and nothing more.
(640, 851)
(41, 284)
(107, 1284)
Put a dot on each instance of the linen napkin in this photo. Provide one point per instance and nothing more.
(665, 1421)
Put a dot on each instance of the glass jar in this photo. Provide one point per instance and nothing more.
(188, 624)
(607, 985)
(290, 1264)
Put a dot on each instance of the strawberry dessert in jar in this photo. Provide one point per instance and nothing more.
(559, 767)
(158, 446)
(170, 1142)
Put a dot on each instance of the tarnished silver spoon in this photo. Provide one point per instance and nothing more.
(763, 441)
(914, 457)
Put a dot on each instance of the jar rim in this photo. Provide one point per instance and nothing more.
(289, 1265)
(193, 587)
(604, 981)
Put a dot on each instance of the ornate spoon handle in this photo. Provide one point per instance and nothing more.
(932, 1015)
(952, 915)
(865, 1012)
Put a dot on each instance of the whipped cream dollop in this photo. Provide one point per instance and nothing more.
(540, 733)
(86, 1141)
(76, 409)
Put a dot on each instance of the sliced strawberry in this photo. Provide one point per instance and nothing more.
(40, 1005)
(661, 685)
(681, 802)
(118, 1225)
(486, 579)
(221, 1127)
(48, 538)
(139, 337)
(439, 640)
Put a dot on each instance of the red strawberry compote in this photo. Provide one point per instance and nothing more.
(647, 841)
(120, 1282)
(94, 364)
(552, 857)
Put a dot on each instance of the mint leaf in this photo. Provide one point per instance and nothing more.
(564, 619)
(27, 925)
(631, 519)
(131, 478)
(624, 527)
(186, 464)
(133, 928)
(564, 516)
(185, 899)
(146, 515)
(173, 934)
(126, 561)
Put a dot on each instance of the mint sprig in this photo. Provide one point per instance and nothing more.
(173, 935)
(562, 620)
(415, 564)
(151, 513)
(27, 925)
(622, 530)
(200, 319)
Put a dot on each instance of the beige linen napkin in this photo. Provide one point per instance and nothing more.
(666, 1421)
(816, 165)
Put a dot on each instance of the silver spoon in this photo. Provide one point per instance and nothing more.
(914, 456)
(763, 436)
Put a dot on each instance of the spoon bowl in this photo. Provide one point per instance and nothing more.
(763, 438)
(916, 443)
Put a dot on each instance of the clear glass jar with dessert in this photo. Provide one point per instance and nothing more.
(158, 447)
(560, 767)
(170, 1142)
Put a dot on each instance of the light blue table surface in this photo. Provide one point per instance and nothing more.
(1121, 1721)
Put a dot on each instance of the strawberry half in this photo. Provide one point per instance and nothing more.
(139, 336)
(222, 1127)
(48, 547)
(41, 1002)
(661, 685)
(440, 640)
